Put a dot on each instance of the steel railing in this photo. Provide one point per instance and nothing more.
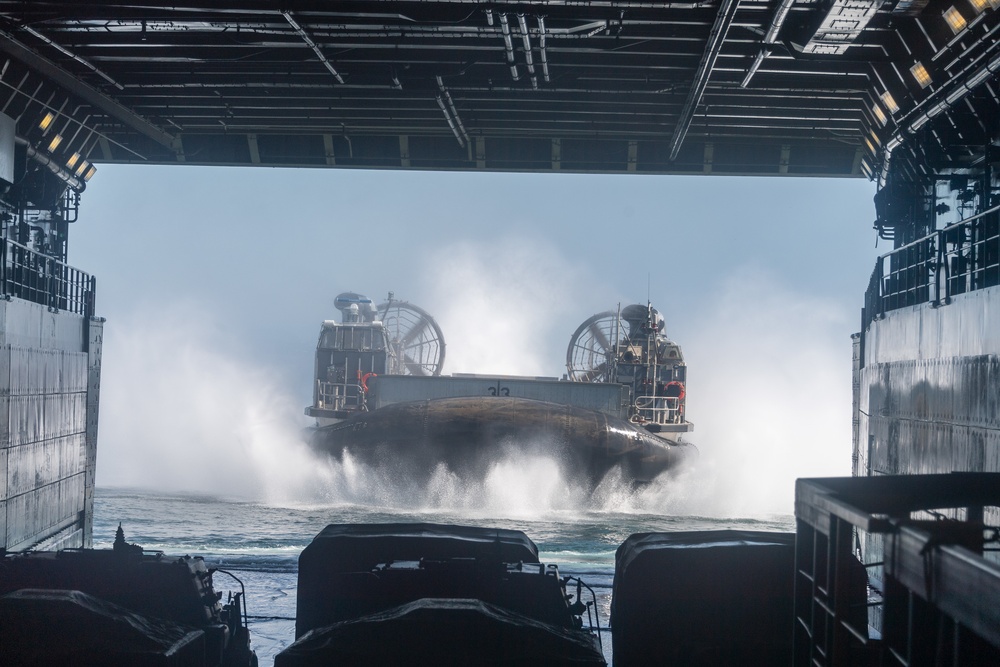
(960, 258)
(878, 583)
(32, 276)
(658, 409)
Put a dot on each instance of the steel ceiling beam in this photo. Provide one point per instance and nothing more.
(727, 10)
(82, 90)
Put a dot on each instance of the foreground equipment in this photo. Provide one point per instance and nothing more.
(703, 598)
(124, 607)
(433, 594)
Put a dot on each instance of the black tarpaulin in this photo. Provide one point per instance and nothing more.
(443, 633)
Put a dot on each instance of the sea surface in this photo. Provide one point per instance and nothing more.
(260, 541)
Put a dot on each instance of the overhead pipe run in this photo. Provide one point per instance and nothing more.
(541, 49)
(509, 46)
(451, 114)
(47, 162)
(727, 11)
(523, 23)
(312, 45)
(941, 101)
(770, 38)
(73, 56)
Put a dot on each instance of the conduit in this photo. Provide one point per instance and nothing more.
(523, 23)
(727, 10)
(541, 49)
(451, 114)
(770, 38)
(44, 160)
(312, 45)
(509, 46)
(70, 54)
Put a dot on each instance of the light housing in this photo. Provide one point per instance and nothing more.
(954, 19)
(46, 121)
(82, 168)
(90, 173)
(54, 144)
(889, 102)
(920, 73)
(879, 114)
(979, 6)
(71, 162)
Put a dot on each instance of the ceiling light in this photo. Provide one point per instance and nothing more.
(874, 136)
(82, 168)
(879, 114)
(995, 4)
(54, 144)
(955, 20)
(71, 162)
(46, 121)
(870, 145)
(979, 5)
(90, 173)
(889, 102)
(921, 74)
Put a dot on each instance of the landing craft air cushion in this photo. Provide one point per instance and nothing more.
(379, 396)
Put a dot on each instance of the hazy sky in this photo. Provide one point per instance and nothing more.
(214, 282)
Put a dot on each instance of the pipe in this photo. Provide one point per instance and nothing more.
(949, 98)
(727, 10)
(44, 160)
(451, 123)
(541, 48)
(527, 49)
(771, 37)
(70, 54)
(451, 107)
(505, 29)
(312, 45)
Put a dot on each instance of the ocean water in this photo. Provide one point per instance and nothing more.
(259, 540)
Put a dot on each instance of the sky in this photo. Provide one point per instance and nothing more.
(214, 282)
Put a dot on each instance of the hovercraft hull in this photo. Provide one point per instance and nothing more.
(469, 433)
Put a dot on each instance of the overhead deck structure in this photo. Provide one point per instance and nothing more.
(905, 92)
(790, 87)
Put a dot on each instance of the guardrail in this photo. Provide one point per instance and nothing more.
(959, 258)
(659, 409)
(932, 590)
(32, 276)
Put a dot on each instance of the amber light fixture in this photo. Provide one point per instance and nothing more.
(921, 74)
(889, 101)
(47, 121)
(955, 20)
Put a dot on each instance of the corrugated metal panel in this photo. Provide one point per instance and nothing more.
(44, 416)
(39, 464)
(34, 515)
(36, 371)
(45, 457)
(610, 399)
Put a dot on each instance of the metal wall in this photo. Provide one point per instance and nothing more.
(929, 389)
(48, 383)
(610, 399)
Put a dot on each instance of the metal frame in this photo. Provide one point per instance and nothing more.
(959, 258)
(941, 598)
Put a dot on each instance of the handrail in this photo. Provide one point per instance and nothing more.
(39, 278)
(959, 258)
